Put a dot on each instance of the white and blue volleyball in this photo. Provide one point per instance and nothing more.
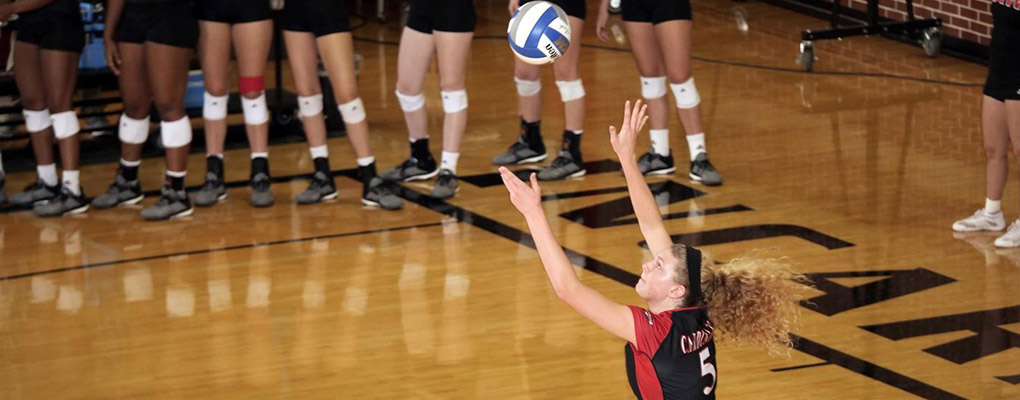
(539, 32)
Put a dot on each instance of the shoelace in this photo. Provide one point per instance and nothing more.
(445, 178)
(561, 161)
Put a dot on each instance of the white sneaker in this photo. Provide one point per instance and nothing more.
(1011, 238)
(980, 221)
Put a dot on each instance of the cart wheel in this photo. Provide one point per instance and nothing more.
(806, 58)
(931, 41)
(614, 6)
(285, 117)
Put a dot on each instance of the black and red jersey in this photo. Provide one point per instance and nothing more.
(674, 357)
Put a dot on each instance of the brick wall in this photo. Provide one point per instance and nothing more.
(965, 19)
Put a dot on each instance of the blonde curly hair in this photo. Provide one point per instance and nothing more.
(750, 299)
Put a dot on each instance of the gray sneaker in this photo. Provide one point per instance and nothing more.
(320, 188)
(66, 204)
(378, 194)
(651, 163)
(172, 204)
(703, 171)
(212, 191)
(261, 196)
(121, 192)
(35, 193)
(446, 185)
(562, 167)
(521, 153)
(411, 169)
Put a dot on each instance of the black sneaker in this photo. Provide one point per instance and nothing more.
(703, 171)
(172, 204)
(652, 163)
(261, 196)
(35, 193)
(521, 152)
(319, 189)
(446, 185)
(412, 169)
(377, 193)
(562, 167)
(66, 203)
(121, 192)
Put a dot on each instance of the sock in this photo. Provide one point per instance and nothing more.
(259, 164)
(366, 173)
(71, 182)
(660, 141)
(48, 174)
(450, 161)
(319, 152)
(420, 149)
(531, 131)
(572, 144)
(218, 155)
(992, 206)
(366, 161)
(322, 165)
(214, 165)
(696, 144)
(176, 179)
(129, 169)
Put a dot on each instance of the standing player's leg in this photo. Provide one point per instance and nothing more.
(569, 164)
(413, 58)
(214, 55)
(302, 57)
(251, 43)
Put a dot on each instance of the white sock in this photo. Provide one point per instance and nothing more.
(47, 174)
(319, 152)
(578, 132)
(366, 161)
(259, 155)
(127, 163)
(176, 174)
(696, 144)
(660, 141)
(220, 155)
(416, 139)
(449, 161)
(992, 206)
(71, 182)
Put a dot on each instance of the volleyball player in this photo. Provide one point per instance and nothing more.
(149, 47)
(660, 40)
(49, 42)
(445, 28)
(670, 351)
(321, 27)
(529, 147)
(248, 25)
(1000, 117)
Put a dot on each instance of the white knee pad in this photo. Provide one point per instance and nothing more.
(686, 94)
(65, 125)
(455, 101)
(410, 102)
(36, 121)
(653, 88)
(570, 90)
(528, 88)
(352, 111)
(133, 131)
(214, 108)
(255, 110)
(176, 133)
(310, 106)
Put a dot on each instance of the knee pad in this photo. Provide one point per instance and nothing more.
(454, 101)
(65, 125)
(528, 88)
(133, 131)
(214, 108)
(686, 94)
(409, 102)
(570, 90)
(176, 133)
(653, 88)
(255, 110)
(353, 111)
(310, 106)
(36, 121)
(249, 84)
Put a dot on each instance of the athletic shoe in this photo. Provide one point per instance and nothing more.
(981, 221)
(562, 167)
(319, 189)
(651, 163)
(378, 194)
(1011, 238)
(521, 152)
(446, 185)
(35, 193)
(121, 192)
(412, 169)
(66, 203)
(172, 204)
(261, 196)
(211, 192)
(703, 171)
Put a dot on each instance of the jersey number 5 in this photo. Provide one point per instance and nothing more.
(707, 369)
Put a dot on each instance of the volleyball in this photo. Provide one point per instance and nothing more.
(539, 32)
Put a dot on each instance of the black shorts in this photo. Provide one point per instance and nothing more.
(52, 31)
(320, 17)
(172, 23)
(655, 11)
(442, 15)
(233, 11)
(573, 8)
(1003, 81)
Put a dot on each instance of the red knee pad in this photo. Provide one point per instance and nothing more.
(250, 84)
